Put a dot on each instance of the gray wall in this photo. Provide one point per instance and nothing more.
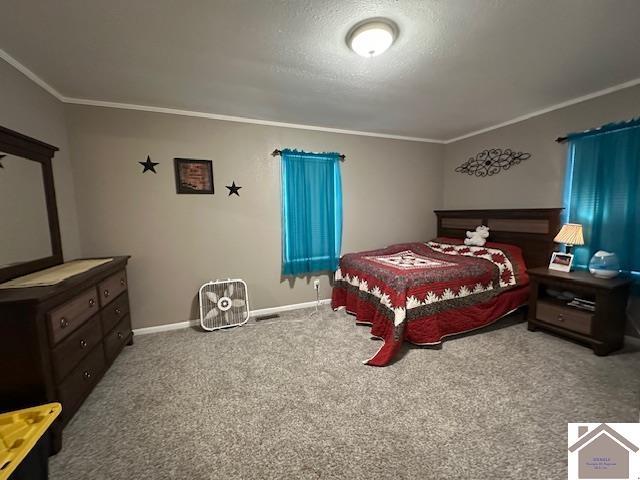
(536, 182)
(178, 242)
(28, 109)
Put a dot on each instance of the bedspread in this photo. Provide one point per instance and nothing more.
(423, 292)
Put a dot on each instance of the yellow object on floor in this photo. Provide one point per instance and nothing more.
(20, 431)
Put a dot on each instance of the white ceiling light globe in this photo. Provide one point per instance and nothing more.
(372, 37)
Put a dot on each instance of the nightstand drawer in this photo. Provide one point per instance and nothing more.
(565, 317)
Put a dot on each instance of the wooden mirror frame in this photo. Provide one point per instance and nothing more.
(29, 148)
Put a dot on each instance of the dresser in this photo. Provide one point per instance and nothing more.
(56, 342)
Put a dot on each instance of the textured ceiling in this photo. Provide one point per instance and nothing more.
(457, 66)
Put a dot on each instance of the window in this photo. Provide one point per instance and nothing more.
(311, 212)
(601, 191)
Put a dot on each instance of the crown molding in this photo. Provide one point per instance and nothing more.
(231, 118)
(30, 75)
(558, 106)
(189, 113)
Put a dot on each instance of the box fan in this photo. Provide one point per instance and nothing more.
(223, 304)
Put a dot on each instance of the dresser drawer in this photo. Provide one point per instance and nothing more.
(114, 312)
(70, 315)
(81, 380)
(564, 317)
(112, 287)
(73, 348)
(116, 338)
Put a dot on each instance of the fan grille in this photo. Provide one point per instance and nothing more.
(223, 304)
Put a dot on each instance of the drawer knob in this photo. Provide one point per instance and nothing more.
(122, 282)
(92, 302)
(560, 318)
(83, 344)
(64, 323)
(117, 311)
(86, 375)
(120, 335)
(106, 293)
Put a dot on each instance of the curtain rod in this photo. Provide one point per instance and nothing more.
(277, 152)
(607, 128)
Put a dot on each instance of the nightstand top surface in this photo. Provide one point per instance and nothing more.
(581, 277)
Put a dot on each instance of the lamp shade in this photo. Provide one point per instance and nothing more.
(570, 234)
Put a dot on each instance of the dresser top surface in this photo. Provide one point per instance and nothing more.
(581, 277)
(79, 281)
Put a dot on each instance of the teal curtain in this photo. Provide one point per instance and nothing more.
(311, 212)
(601, 191)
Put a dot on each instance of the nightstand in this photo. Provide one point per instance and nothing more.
(602, 329)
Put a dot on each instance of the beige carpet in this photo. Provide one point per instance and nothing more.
(290, 399)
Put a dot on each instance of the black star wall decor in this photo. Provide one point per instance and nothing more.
(149, 165)
(233, 189)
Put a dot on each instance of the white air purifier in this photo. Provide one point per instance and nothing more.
(223, 304)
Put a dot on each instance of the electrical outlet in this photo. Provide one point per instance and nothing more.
(316, 284)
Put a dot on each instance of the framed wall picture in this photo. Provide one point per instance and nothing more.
(561, 262)
(194, 176)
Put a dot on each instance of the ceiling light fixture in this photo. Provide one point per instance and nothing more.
(372, 37)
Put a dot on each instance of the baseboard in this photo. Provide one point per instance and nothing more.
(286, 308)
(166, 328)
(254, 313)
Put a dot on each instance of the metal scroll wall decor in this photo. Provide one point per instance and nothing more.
(492, 161)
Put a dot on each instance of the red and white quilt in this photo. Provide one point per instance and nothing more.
(423, 292)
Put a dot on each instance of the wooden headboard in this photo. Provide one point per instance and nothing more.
(531, 229)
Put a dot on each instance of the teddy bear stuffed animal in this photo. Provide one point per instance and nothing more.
(478, 237)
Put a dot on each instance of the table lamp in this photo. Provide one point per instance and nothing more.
(570, 234)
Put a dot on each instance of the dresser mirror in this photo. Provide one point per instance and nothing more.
(30, 233)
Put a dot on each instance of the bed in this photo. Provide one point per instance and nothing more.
(423, 292)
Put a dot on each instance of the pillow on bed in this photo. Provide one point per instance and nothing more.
(513, 251)
(500, 246)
